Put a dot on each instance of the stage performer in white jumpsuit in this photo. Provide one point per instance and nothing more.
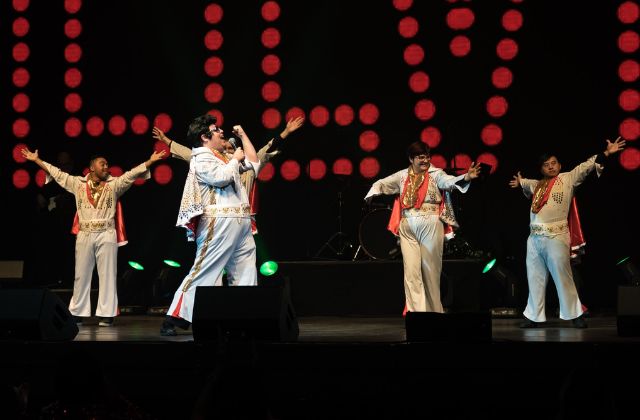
(99, 228)
(549, 242)
(265, 154)
(216, 213)
(418, 217)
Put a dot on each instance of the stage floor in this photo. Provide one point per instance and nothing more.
(336, 329)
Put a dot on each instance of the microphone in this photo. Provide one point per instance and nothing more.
(235, 142)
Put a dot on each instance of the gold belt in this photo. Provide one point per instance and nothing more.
(549, 229)
(232, 211)
(96, 225)
(423, 210)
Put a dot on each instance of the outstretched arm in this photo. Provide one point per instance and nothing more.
(177, 150)
(528, 185)
(580, 172)
(66, 181)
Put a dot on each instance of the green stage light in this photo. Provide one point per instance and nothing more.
(269, 268)
(622, 260)
(136, 265)
(171, 263)
(489, 266)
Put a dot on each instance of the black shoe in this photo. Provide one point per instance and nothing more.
(178, 322)
(106, 322)
(78, 320)
(530, 324)
(168, 329)
(579, 322)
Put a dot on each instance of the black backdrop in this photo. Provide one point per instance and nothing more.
(148, 58)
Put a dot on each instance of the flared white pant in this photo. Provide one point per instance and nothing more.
(550, 255)
(221, 243)
(422, 243)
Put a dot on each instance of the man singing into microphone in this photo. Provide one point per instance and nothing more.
(215, 211)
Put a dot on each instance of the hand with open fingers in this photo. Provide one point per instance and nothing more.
(473, 172)
(160, 136)
(29, 155)
(516, 181)
(616, 146)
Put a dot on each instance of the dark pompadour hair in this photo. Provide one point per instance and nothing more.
(545, 157)
(198, 127)
(417, 148)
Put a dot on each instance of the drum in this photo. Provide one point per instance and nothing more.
(376, 240)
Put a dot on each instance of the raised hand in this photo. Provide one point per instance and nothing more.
(615, 147)
(293, 124)
(29, 155)
(473, 172)
(516, 181)
(160, 136)
(156, 156)
(239, 131)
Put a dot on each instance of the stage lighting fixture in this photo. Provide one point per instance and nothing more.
(488, 266)
(630, 271)
(269, 268)
(171, 263)
(136, 265)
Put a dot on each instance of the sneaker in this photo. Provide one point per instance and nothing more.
(579, 322)
(78, 320)
(530, 324)
(106, 322)
(168, 329)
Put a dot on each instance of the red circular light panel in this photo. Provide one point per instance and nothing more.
(73, 102)
(270, 11)
(41, 177)
(115, 171)
(629, 70)
(271, 91)
(629, 100)
(117, 125)
(20, 52)
(368, 114)
(431, 136)
(270, 64)
(461, 162)
(344, 115)
(213, 66)
(21, 179)
(460, 46)
(319, 116)
(72, 28)
(163, 122)
(408, 27)
(497, 106)
(213, 93)
(369, 141)
(460, 18)
(629, 129)
(502, 77)
(402, 5)
(20, 5)
(17, 153)
(628, 12)
(213, 40)
(20, 27)
(419, 82)
(425, 109)
(507, 49)
(271, 118)
(267, 172)
(73, 127)
(21, 128)
(413, 54)
(95, 126)
(20, 102)
(72, 78)
(270, 38)
(290, 170)
(72, 6)
(491, 135)
(163, 174)
(213, 13)
(369, 167)
(512, 20)
(219, 116)
(316, 169)
(630, 158)
(294, 112)
(139, 124)
(20, 77)
(628, 41)
(438, 161)
(73, 53)
(342, 166)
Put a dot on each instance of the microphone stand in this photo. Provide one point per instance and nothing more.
(339, 237)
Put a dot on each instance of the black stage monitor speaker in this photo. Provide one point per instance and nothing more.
(260, 312)
(431, 326)
(628, 319)
(35, 314)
